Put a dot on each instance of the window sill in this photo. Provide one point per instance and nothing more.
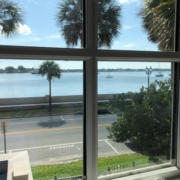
(167, 173)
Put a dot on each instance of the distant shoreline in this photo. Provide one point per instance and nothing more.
(99, 70)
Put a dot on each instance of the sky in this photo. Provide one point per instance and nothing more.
(40, 29)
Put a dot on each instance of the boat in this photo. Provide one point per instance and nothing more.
(109, 76)
(159, 74)
(34, 72)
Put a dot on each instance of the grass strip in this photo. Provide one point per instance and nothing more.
(42, 112)
(47, 172)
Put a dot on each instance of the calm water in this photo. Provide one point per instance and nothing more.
(28, 85)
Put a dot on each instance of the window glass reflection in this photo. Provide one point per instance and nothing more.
(44, 115)
(142, 25)
(41, 23)
(134, 115)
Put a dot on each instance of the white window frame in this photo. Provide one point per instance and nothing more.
(92, 55)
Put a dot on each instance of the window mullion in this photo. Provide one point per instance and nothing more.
(177, 86)
(91, 104)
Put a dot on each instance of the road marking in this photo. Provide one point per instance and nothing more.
(78, 148)
(112, 147)
(52, 129)
(60, 147)
(56, 145)
(62, 118)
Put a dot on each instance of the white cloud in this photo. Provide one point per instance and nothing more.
(129, 1)
(24, 29)
(128, 45)
(54, 37)
(116, 42)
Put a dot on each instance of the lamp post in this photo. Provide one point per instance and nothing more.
(148, 72)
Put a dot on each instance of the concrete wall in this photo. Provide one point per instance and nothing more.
(45, 99)
(18, 101)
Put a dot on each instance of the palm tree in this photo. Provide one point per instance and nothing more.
(51, 69)
(10, 17)
(158, 18)
(70, 17)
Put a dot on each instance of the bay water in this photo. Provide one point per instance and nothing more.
(34, 85)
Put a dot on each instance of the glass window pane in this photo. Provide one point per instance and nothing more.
(134, 115)
(51, 133)
(42, 23)
(136, 25)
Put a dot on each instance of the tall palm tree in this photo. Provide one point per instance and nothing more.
(158, 18)
(70, 17)
(51, 69)
(10, 17)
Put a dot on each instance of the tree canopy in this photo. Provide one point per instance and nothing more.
(9, 69)
(21, 68)
(51, 69)
(10, 17)
(70, 18)
(144, 118)
(158, 17)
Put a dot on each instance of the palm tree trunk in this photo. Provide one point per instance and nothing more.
(50, 108)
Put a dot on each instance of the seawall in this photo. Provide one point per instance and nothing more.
(25, 103)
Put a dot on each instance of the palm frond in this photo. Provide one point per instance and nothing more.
(70, 18)
(158, 18)
(10, 17)
(51, 69)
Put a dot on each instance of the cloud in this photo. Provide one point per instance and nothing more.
(24, 29)
(128, 45)
(54, 37)
(116, 42)
(21, 29)
(129, 1)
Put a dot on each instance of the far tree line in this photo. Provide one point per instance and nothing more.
(22, 69)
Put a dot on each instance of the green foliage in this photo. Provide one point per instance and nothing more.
(10, 17)
(21, 69)
(9, 69)
(70, 20)
(145, 120)
(158, 18)
(126, 159)
(51, 69)
(46, 172)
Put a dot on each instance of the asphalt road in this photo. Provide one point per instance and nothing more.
(57, 138)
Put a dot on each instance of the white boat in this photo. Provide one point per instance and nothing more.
(159, 74)
(34, 72)
(109, 76)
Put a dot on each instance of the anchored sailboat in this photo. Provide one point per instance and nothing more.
(159, 73)
(109, 76)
